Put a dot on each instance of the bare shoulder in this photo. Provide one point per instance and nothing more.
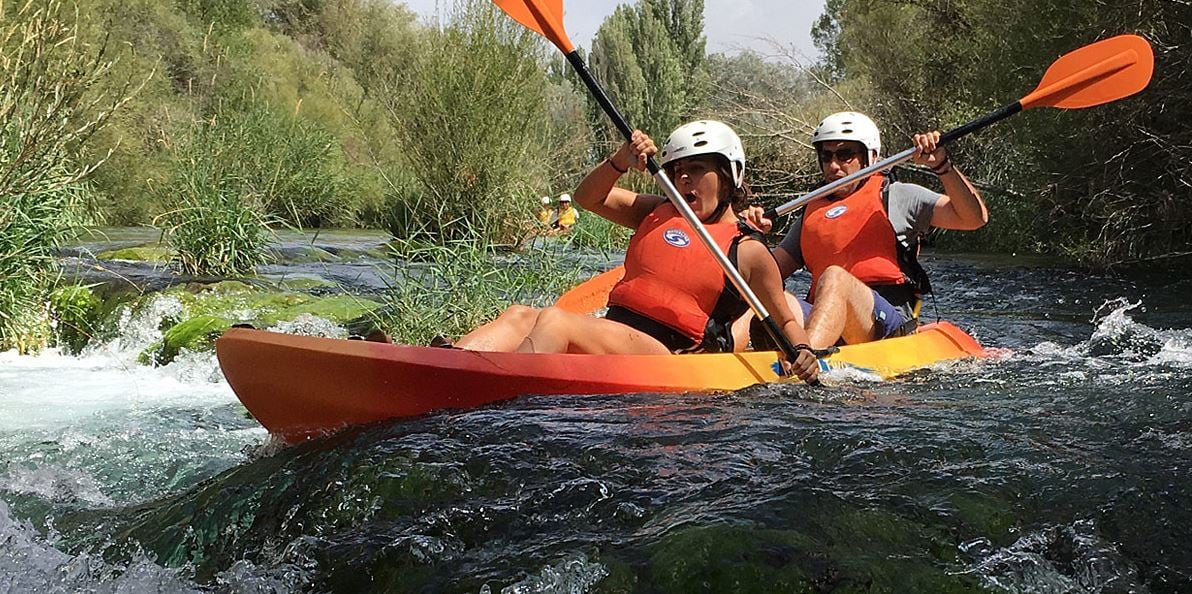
(754, 254)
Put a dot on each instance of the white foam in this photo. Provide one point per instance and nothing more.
(52, 390)
(574, 575)
(28, 563)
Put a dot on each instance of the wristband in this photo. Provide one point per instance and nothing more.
(943, 166)
(614, 166)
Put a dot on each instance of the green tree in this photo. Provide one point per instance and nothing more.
(1103, 185)
(650, 59)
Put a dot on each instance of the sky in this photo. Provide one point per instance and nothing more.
(731, 25)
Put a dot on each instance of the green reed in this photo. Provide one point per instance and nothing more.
(453, 287)
(48, 108)
(472, 118)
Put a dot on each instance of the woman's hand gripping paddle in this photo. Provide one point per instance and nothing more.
(546, 18)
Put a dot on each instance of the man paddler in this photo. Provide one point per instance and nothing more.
(861, 243)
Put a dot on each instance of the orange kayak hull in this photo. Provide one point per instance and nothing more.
(301, 386)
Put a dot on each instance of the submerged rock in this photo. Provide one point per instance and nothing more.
(150, 252)
(209, 310)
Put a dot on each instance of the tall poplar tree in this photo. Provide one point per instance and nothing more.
(650, 59)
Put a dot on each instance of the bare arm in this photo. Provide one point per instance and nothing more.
(598, 192)
(760, 271)
(786, 262)
(960, 207)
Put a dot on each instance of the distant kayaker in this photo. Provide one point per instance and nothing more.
(546, 214)
(567, 214)
(861, 243)
(674, 297)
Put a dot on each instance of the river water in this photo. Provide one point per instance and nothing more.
(1061, 464)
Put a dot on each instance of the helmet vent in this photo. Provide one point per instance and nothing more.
(701, 143)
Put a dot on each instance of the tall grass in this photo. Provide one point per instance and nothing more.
(472, 119)
(453, 287)
(48, 108)
(219, 224)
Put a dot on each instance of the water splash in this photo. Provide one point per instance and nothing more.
(1072, 558)
(54, 483)
(1118, 338)
(139, 327)
(575, 575)
(29, 563)
(1118, 335)
(311, 325)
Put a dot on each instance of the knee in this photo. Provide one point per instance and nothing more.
(832, 278)
(551, 317)
(521, 314)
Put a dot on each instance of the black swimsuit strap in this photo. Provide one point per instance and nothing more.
(672, 339)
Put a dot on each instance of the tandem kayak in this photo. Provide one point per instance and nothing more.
(301, 386)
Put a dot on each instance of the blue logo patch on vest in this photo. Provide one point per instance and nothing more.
(676, 238)
(835, 211)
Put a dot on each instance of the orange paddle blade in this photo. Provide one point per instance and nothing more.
(592, 294)
(543, 16)
(1094, 74)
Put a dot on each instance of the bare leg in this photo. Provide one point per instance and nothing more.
(560, 331)
(843, 308)
(503, 334)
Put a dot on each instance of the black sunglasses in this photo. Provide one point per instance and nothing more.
(844, 155)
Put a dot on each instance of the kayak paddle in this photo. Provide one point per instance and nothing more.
(546, 18)
(592, 294)
(1097, 73)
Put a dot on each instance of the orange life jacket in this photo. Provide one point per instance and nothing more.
(671, 278)
(854, 233)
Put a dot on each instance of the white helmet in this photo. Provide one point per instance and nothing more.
(546, 200)
(565, 198)
(850, 125)
(706, 137)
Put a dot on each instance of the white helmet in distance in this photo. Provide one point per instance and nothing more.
(565, 198)
(707, 137)
(546, 200)
(850, 125)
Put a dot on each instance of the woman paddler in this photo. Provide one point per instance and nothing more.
(674, 297)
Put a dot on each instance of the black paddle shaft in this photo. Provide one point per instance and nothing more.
(606, 103)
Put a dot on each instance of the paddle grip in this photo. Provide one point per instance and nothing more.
(996, 115)
(581, 68)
